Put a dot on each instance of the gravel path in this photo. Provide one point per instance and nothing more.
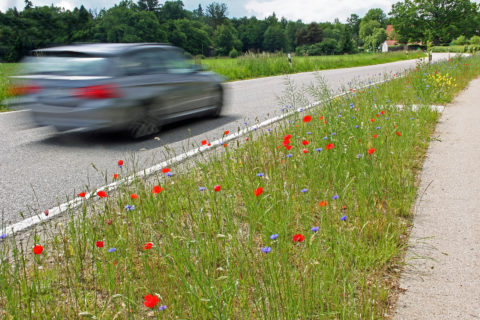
(442, 277)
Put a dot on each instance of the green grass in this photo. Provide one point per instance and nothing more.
(264, 65)
(6, 69)
(207, 263)
(452, 49)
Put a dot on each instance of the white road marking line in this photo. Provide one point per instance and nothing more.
(34, 220)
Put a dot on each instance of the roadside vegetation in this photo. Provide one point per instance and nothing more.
(263, 65)
(6, 69)
(302, 220)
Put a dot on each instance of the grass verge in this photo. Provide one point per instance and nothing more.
(6, 69)
(265, 65)
(302, 221)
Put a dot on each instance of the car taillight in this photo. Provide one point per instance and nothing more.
(22, 90)
(103, 91)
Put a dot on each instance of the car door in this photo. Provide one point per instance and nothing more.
(191, 90)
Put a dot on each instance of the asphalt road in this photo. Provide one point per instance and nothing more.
(40, 168)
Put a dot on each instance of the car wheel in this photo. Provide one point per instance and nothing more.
(142, 128)
(218, 104)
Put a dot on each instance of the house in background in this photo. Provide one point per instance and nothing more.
(390, 38)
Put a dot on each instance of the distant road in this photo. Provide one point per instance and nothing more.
(39, 168)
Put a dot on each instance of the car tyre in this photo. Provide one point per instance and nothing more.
(218, 104)
(143, 128)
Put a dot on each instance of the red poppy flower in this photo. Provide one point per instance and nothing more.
(165, 170)
(115, 176)
(378, 115)
(288, 147)
(307, 119)
(395, 126)
(225, 145)
(109, 221)
(305, 142)
(157, 189)
(330, 146)
(204, 142)
(120, 163)
(37, 249)
(398, 133)
(298, 238)
(321, 118)
(382, 112)
(322, 203)
(46, 212)
(209, 144)
(258, 191)
(147, 246)
(226, 132)
(372, 120)
(217, 188)
(99, 244)
(102, 194)
(286, 143)
(134, 196)
(82, 194)
(305, 150)
(371, 150)
(287, 137)
(151, 301)
(375, 136)
(247, 139)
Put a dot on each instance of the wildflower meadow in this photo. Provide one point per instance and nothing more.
(306, 219)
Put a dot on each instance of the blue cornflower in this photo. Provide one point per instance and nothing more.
(300, 110)
(325, 138)
(163, 307)
(412, 118)
(315, 229)
(274, 236)
(112, 250)
(356, 126)
(343, 218)
(268, 129)
(289, 155)
(334, 133)
(339, 115)
(386, 118)
(304, 190)
(378, 128)
(3, 236)
(318, 149)
(169, 174)
(335, 197)
(130, 207)
(353, 117)
(260, 174)
(245, 123)
(201, 188)
(315, 114)
(266, 249)
(359, 155)
(309, 132)
(351, 105)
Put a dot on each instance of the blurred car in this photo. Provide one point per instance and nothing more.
(123, 86)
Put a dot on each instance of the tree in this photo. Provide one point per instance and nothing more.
(172, 10)
(274, 38)
(354, 24)
(313, 33)
(148, 5)
(225, 39)
(376, 14)
(216, 14)
(439, 21)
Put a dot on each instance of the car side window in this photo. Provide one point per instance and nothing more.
(176, 62)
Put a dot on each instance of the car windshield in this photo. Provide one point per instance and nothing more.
(65, 66)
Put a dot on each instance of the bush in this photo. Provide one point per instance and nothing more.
(233, 53)
(474, 40)
(461, 40)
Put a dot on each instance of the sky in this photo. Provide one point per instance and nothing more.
(306, 10)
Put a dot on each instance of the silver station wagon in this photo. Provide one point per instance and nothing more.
(123, 86)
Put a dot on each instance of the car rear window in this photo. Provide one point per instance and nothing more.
(65, 66)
